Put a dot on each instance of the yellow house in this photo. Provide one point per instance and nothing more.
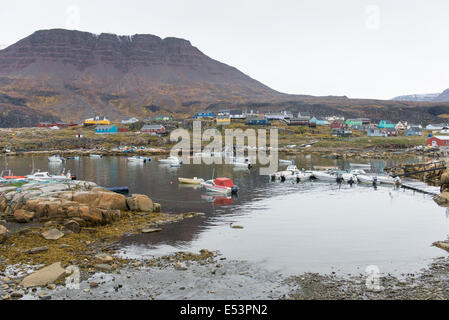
(223, 120)
(97, 121)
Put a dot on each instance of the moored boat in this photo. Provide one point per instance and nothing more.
(191, 181)
(139, 159)
(172, 161)
(56, 159)
(220, 185)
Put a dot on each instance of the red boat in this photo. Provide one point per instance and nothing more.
(221, 185)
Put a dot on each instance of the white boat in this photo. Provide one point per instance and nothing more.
(282, 175)
(56, 159)
(173, 161)
(375, 180)
(349, 177)
(360, 165)
(325, 176)
(220, 185)
(241, 162)
(95, 156)
(139, 159)
(286, 162)
(190, 180)
(45, 176)
(302, 176)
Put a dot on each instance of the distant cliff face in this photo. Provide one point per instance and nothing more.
(76, 74)
(429, 97)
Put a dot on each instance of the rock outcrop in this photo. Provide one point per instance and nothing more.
(74, 204)
(44, 276)
(3, 233)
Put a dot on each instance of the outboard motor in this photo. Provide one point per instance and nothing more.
(351, 181)
(282, 178)
(73, 177)
(250, 166)
(375, 181)
(235, 189)
(273, 177)
(339, 179)
(298, 180)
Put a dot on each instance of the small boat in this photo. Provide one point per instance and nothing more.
(220, 185)
(325, 175)
(360, 165)
(191, 181)
(122, 190)
(375, 180)
(239, 162)
(95, 156)
(286, 162)
(172, 161)
(45, 176)
(73, 158)
(282, 175)
(56, 159)
(139, 159)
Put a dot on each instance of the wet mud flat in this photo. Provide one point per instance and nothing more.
(208, 276)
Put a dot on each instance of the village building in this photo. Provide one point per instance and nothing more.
(163, 118)
(438, 141)
(401, 125)
(130, 120)
(98, 120)
(318, 122)
(341, 132)
(435, 126)
(237, 114)
(376, 132)
(204, 115)
(153, 129)
(338, 124)
(106, 129)
(257, 119)
(413, 131)
(223, 120)
(385, 124)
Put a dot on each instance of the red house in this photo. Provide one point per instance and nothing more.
(438, 141)
(153, 129)
(338, 124)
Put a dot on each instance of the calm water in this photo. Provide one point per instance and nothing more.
(293, 228)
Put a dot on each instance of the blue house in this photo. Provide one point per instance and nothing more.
(204, 114)
(257, 120)
(383, 124)
(319, 122)
(103, 129)
(376, 132)
(414, 131)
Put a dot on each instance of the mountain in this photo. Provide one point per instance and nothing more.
(73, 75)
(76, 74)
(427, 97)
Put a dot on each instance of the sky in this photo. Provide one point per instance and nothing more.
(358, 48)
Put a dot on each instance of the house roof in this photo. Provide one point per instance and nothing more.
(442, 137)
(152, 127)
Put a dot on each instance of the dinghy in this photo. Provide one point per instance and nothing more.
(96, 156)
(220, 185)
(191, 181)
(56, 159)
(139, 159)
(286, 162)
(173, 161)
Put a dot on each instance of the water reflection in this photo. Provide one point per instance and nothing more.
(310, 226)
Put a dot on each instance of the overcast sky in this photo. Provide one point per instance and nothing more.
(362, 49)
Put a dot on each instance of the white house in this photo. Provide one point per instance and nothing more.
(401, 125)
(130, 120)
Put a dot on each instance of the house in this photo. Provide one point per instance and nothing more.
(204, 115)
(153, 129)
(163, 118)
(414, 131)
(340, 132)
(338, 124)
(319, 122)
(391, 132)
(130, 120)
(376, 132)
(257, 119)
(438, 141)
(435, 126)
(105, 129)
(223, 120)
(97, 121)
(401, 125)
(358, 124)
(300, 121)
(384, 124)
(279, 115)
(237, 114)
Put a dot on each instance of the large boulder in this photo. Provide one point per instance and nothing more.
(23, 216)
(103, 200)
(3, 233)
(44, 276)
(444, 180)
(140, 202)
(442, 199)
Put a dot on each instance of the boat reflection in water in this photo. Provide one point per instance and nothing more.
(219, 200)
